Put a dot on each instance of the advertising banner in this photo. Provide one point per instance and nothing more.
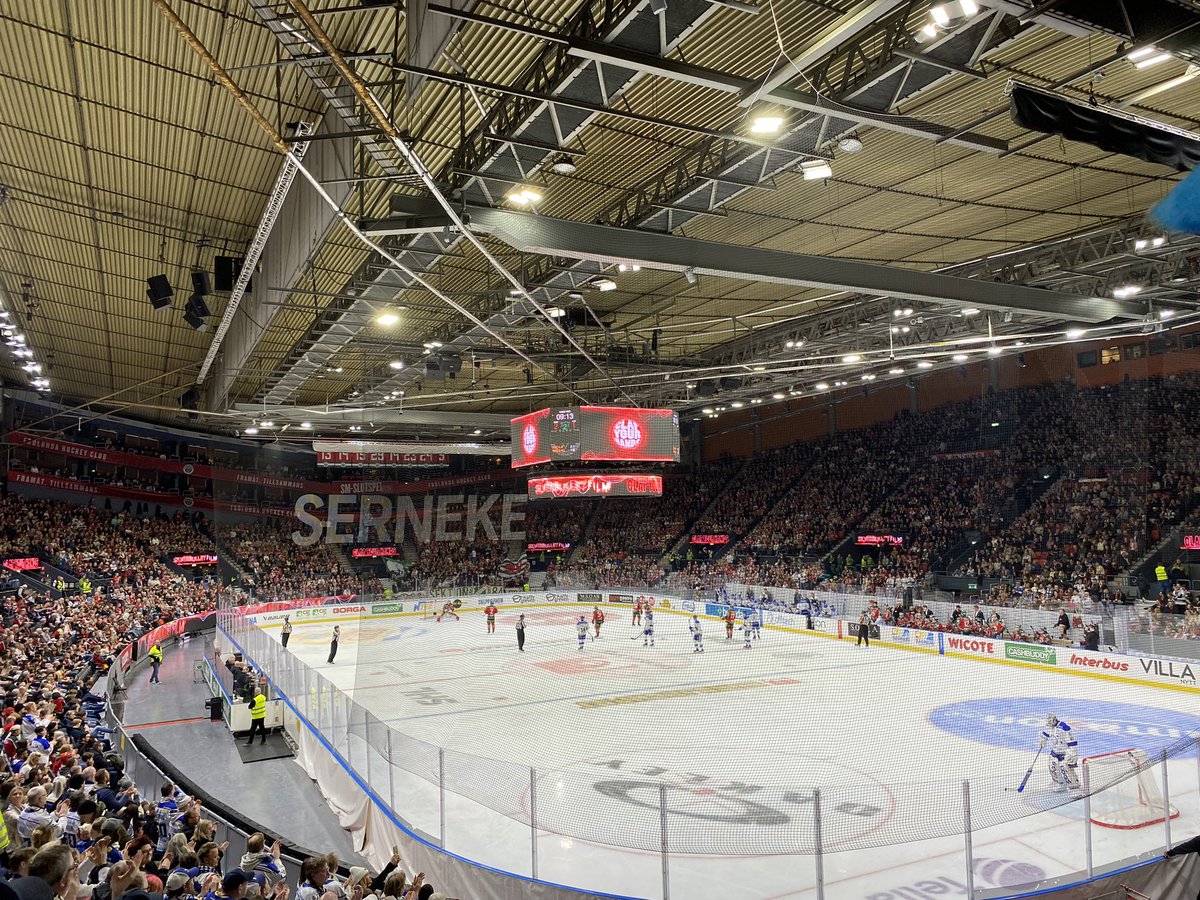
(195, 559)
(711, 539)
(1035, 653)
(561, 486)
(24, 564)
(595, 433)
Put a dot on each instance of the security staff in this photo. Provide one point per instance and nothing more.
(258, 716)
(156, 657)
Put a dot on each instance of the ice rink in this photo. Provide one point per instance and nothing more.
(740, 739)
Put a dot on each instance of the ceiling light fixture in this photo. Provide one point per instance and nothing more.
(555, 312)
(387, 319)
(266, 423)
(994, 351)
(1076, 333)
(604, 284)
(816, 170)
(690, 274)
(822, 386)
(737, 404)
(960, 357)
(778, 395)
(629, 267)
(850, 144)
(896, 371)
(766, 124)
(851, 358)
(396, 364)
(971, 311)
(525, 197)
(924, 364)
(306, 424)
(251, 430)
(1127, 290)
(707, 410)
(564, 165)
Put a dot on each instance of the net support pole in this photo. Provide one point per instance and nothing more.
(533, 860)
(662, 826)
(391, 773)
(1087, 819)
(966, 790)
(818, 849)
(1166, 800)
(442, 792)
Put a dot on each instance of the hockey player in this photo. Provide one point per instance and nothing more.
(1064, 753)
(730, 620)
(490, 612)
(746, 630)
(637, 612)
(755, 624)
(597, 619)
(697, 634)
(648, 630)
(582, 628)
(448, 610)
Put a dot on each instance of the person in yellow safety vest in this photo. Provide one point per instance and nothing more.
(3, 840)
(155, 661)
(1160, 573)
(258, 716)
(85, 586)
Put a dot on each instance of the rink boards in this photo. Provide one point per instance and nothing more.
(1161, 672)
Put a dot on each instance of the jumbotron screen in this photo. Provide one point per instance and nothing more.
(595, 434)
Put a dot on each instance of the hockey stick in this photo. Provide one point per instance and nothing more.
(1029, 771)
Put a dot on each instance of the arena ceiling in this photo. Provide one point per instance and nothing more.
(595, 161)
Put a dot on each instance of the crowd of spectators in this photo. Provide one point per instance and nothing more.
(463, 564)
(278, 568)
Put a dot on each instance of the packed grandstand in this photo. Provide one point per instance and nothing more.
(1054, 511)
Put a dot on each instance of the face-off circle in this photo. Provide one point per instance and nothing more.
(529, 439)
(627, 434)
(754, 801)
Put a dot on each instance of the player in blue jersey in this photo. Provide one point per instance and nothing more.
(648, 629)
(697, 635)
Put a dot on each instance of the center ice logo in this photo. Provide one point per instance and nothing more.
(1101, 726)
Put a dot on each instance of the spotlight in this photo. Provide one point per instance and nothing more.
(631, 267)
(604, 284)
(690, 274)
(960, 357)
(850, 144)
(1075, 333)
(396, 364)
(250, 430)
(306, 425)
(387, 319)
(658, 7)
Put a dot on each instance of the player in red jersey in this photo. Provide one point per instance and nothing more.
(730, 619)
(637, 612)
(448, 610)
(490, 612)
(597, 619)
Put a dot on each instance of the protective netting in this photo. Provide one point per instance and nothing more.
(731, 790)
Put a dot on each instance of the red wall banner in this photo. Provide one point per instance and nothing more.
(25, 564)
(595, 486)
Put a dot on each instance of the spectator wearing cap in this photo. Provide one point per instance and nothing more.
(180, 885)
(233, 886)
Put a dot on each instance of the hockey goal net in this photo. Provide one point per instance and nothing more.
(430, 609)
(1125, 793)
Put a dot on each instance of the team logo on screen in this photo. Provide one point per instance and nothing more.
(627, 434)
(529, 439)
